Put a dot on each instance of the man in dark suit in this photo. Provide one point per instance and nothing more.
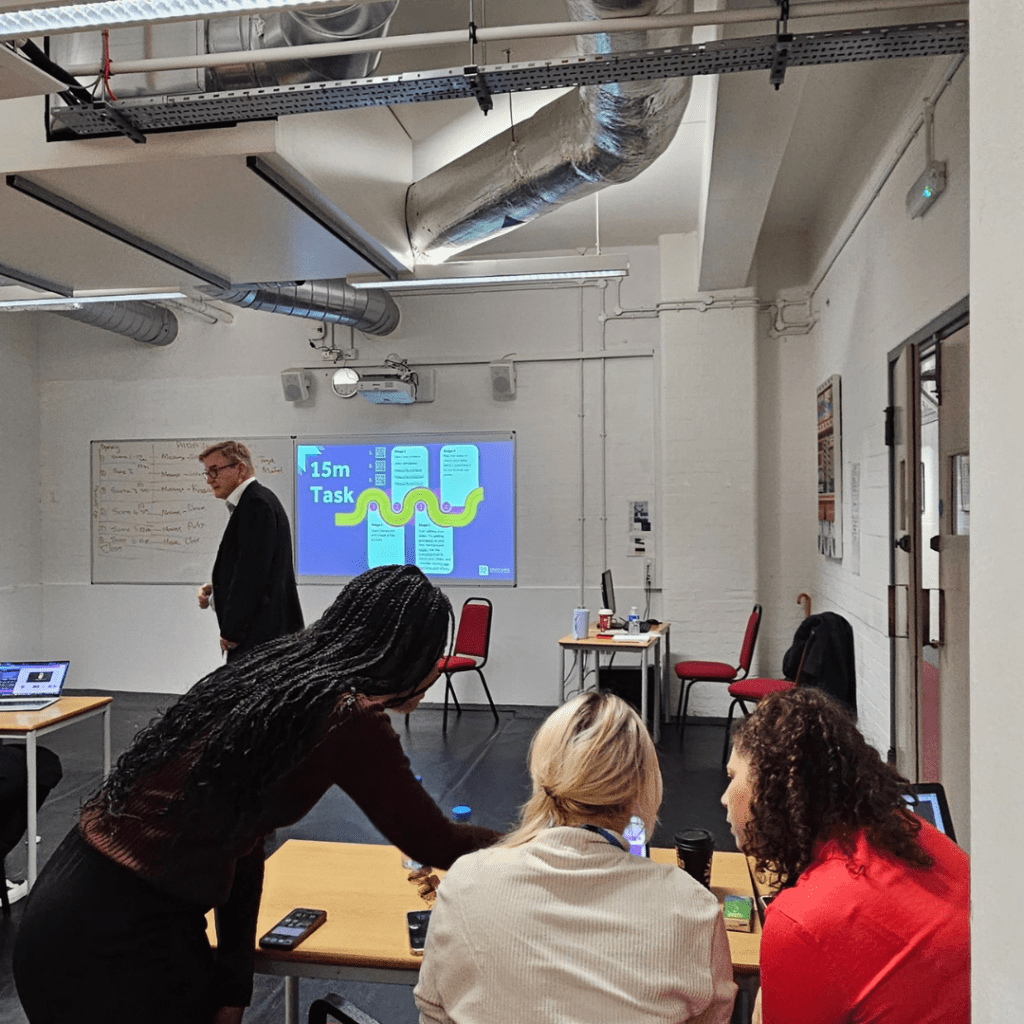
(253, 590)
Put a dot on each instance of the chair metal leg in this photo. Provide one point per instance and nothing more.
(494, 710)
(686, 702)
(728, 727)
(449, 689)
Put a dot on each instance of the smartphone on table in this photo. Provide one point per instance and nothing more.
(293, 928)
(417, 921)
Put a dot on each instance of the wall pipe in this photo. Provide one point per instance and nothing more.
(834, 8)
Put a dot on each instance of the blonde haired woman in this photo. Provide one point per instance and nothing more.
(559, 922)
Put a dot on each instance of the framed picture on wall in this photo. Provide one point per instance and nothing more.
(830, 469)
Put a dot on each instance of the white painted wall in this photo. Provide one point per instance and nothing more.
(20, 594)
(997, 556)
(224, 380)
(891, 278)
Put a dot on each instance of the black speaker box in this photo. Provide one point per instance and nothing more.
(624, 682)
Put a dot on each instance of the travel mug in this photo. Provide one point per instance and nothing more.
(580, 624)
(694, 848)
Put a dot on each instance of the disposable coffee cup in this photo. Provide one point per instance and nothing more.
(694, 849)
(604, 618)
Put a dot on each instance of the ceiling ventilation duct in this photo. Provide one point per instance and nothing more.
(334, 301)
(251, 32)
(595, 136)
(142, 321)
(296, 28)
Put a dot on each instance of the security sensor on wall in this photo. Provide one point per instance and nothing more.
(295, 383)
(932, 183)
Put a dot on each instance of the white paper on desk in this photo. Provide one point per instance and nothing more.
(633, 638)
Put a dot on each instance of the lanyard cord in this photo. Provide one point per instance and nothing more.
(604, 834)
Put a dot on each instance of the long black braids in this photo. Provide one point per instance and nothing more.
(246, 725)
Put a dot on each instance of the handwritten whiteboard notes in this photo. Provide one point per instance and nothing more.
(154, 519)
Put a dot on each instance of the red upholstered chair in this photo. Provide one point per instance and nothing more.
(757, 689)
(691, 672)
(472, 641)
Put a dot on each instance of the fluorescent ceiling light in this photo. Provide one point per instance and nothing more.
(122, 13)
(58, 303)
(474, 273)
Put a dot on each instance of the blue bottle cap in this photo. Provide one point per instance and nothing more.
(462, 812)
(418, 778)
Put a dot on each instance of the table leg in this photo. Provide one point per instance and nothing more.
(581, 673)
(106, 741)
(657, 689)
(643, 685)
(291, 999)
(30, 764)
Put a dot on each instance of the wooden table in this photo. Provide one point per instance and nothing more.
(29, 726)
(657, 639)
(366, 893)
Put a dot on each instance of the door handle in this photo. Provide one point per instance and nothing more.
(903, 543)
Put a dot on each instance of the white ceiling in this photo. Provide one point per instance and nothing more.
(780, 163)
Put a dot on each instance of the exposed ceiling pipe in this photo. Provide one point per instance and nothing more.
(506, 33)
(142, 321)
(333, 301)
(592, 137)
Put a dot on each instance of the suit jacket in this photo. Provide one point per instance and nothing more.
(254, 590)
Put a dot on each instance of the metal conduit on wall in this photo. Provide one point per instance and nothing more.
(591, 138)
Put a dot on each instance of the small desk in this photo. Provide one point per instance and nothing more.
(658, 639)
(29, 726)
(366, 893)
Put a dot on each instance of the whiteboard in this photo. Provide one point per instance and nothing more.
(154, 519)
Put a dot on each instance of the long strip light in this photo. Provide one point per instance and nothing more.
(523, 272)
(85, 17)
(57, 303)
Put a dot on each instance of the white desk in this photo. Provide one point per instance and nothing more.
(658, 639)
(29, 726)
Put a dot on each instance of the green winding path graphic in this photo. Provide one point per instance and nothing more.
(439, 518)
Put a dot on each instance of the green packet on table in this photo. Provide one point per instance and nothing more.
(738, 911)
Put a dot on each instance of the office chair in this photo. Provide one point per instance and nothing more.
(472, 642)
(336, 1007)
(690, 672)
(757, 689)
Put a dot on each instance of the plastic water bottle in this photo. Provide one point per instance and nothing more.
(633, 621)
(462, 813)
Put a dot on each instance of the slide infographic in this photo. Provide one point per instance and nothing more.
(446, 504)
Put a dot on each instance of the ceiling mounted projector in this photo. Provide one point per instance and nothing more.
(395, 383)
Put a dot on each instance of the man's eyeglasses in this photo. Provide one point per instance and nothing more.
(212, 471)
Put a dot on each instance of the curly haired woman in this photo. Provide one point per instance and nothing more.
(871, 919)
(179, 825)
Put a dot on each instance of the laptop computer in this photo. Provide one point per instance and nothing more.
(31, 685)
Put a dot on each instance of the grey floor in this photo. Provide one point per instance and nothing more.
(476, 763)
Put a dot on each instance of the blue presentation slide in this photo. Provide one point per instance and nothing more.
(444, 504)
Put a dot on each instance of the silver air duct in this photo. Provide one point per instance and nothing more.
(592, 137)
(296, 28)
(334, 301)
(142, 321)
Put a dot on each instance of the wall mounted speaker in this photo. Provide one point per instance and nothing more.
(503, 381)
(295, 384)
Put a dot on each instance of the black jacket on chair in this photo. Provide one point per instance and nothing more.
(254, 591)
(830, 661)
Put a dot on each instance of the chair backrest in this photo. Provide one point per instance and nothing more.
(474, 633)
(749, 639)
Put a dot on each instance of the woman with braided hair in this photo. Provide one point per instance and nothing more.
(178, 826)
(559, 921)
(871, 919)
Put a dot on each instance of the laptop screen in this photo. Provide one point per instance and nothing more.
(930, 804)
(32, 678)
